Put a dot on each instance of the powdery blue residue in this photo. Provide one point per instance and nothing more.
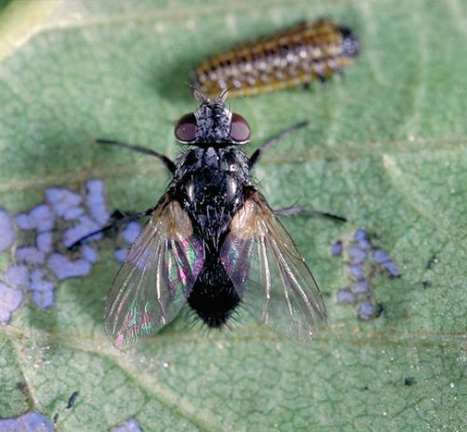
(365, 310)
(380, 256)
(357, 255)
(364, 244)
(362, 239)
(73, 213)
(39, 218)
(7, 231)
(120, 254)
(360, 235)
(16, 276)
(95, 200)
(40, 281)
(131, 232)
(89, 254)
(65, 207)
(361, 287)
(362, 261)
(129, 426)
(30, 255)
(345, 296)
(43, 299)
(357, 271)
(42, 218)
(44, 241)
(336, 248)
(29, 422)
(10, 300)
(392, 269)
(64, 268)
(23, 222)
(85, 226)
(62, 200)
(42, 288)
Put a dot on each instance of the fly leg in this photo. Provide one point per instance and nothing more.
(168, 163)
(296, 210)
(117, 220)
(258, 153)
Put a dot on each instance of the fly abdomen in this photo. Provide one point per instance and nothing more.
(298, 55)
(213, 296)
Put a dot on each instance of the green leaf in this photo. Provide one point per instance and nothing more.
(386, 147)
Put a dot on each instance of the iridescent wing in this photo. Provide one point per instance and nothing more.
(157, 276)
(269, 273)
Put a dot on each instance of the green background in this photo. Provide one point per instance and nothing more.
(386, 147)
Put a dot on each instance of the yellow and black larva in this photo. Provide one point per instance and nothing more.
(294, 56)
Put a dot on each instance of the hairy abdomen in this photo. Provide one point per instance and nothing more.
(213, 296)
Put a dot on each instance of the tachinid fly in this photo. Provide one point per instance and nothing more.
(294, 56)
(212, 242)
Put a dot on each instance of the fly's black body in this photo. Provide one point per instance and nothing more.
(213, 242)
(211, 184)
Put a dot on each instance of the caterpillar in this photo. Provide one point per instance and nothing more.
(294, 56)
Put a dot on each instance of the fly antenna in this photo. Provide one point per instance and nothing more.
(198, 94)
(224, 94)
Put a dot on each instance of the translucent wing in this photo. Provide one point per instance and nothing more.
(157, 276)
(269, 273)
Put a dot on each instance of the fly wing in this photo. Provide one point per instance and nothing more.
(269, 273)
(157, 276)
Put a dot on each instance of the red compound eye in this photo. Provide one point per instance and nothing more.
(185, 129)
(240, 130)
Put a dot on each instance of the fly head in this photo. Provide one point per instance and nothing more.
(212, 124)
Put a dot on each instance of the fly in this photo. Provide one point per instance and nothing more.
(212, 242)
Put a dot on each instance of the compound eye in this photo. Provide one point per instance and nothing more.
(240, 130)
(185, 129)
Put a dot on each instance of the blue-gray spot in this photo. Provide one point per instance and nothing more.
(89, 254)
(42, 218)
(62, 199)
(95, 200)
(39, 218)
(120, 254)
(10, 300)
(131, 232)
(44, 241)
(85, 226)
(30, 422)
(357, 255)
(361, 287)
(336, 248)
(65, 268)
(365, 310)
(345, 296)
(30, 255)
(23, 222)
(129, 426)
(16, 276)
(360, 235)
(357, 271)
(40, 281)
(364, 244)
(43, 299)
(380, 256)
(392, 269)
(73, 213)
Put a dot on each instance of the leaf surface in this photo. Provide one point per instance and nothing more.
(386, 147)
